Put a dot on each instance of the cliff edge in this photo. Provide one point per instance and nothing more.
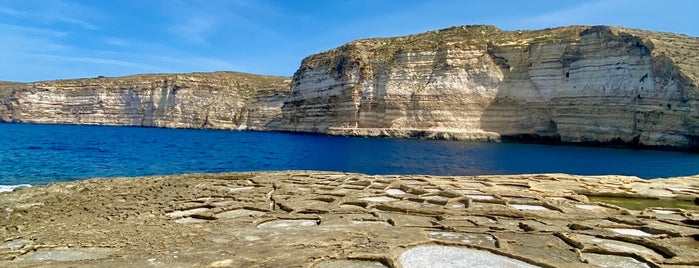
(578, 84)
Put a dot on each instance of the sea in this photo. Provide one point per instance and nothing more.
(34, 154)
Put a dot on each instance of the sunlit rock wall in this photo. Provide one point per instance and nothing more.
(204, 100)
(579, 84)
(597, 85)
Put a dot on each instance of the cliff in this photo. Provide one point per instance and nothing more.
(220, 100)
(580, 84)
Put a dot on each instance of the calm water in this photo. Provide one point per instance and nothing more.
(37, 154)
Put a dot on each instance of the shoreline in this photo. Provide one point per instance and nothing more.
(11, 187)
(320, 219)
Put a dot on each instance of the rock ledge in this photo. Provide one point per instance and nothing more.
(329, 219)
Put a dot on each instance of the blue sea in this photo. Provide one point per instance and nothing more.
(33, 154)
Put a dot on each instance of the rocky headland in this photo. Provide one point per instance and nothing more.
(330, 219)
(579, 84)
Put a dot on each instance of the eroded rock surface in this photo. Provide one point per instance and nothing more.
(326, 219)
(599, 85)
(220, 100)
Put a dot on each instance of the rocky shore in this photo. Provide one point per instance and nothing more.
(329, 219)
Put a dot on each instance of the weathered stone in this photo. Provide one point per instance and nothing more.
(187, 222)
(602, 260)
(67, 254)
(220, 100)
(581, 84)
(349, 264)
(445, 256)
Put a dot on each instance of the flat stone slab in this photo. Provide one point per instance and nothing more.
(350, 264)
(240, 213)
(288, 223)
(482, 240)
(330, 219)
(67, 254)
(602, 260)
(445, 257)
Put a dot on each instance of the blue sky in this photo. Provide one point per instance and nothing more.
(54, 39)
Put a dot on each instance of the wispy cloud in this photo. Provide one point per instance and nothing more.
(194, 29)
(8, 11)
(584, 11)
(206, 20)
(39, 59)
(101, 61)
(15, 44)
(673, 15)
(71, 13)
(115, 41)
(78, 22)
(210, 64)
(57, 11)
(178, 61)
(30, 31)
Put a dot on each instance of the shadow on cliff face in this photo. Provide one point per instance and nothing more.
(510, 114)
(8, 102)
(601, 88)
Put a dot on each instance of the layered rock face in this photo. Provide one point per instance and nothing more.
(222, 100)
(574, 84)
(580, 84)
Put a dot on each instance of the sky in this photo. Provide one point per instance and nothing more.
(61, 39)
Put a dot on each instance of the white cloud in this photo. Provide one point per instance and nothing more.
(8, 11)
(72, 63)
(115, 41)
(212, 64)
(78, 22)
(16, 44)
(672, 15)
(589, 12)
(194, 29)
(70, 13)
(180, 62)
(57, 11)
(99, 61)
(30, 31)
(198, 22)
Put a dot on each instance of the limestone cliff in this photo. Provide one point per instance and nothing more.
(221, 100)
(580, 84)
